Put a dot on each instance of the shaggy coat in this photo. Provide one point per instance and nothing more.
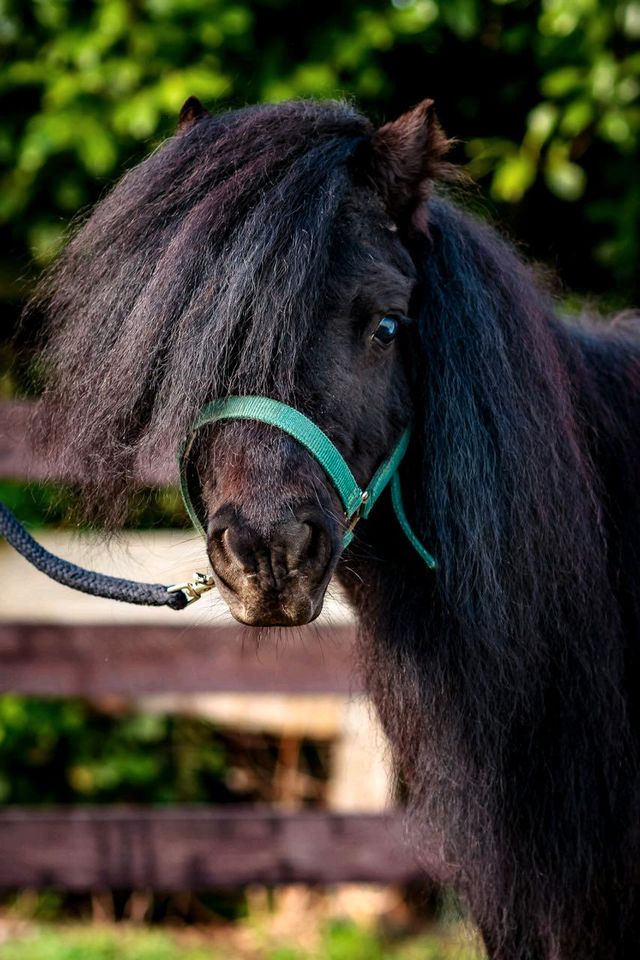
(232, 261)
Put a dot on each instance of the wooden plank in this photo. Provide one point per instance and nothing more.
(95, 660)
(198, 848)
(20, 460)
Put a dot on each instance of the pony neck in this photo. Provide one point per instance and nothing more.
(486, 681)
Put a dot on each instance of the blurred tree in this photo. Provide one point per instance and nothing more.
(546, 94)
(69, 751)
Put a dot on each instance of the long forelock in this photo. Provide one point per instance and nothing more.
(199, 275)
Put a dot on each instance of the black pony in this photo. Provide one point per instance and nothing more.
(278, 250)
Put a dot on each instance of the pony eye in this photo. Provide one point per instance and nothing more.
(386, 331)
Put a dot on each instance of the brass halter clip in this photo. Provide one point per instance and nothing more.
(194, 588)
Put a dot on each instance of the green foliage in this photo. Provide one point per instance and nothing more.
(54, 751)
(35, 505)
(587, 106)
(51, 505)
(546, 93)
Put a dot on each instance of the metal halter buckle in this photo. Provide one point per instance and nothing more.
(357, 515)
(193, 589)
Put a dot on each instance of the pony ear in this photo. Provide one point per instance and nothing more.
(406, 156)
(190, 112)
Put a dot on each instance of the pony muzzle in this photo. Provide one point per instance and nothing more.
(273, 575)
(276, 572)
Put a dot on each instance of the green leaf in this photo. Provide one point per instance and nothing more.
(616, 127)
(513, 177)
(560, 82)
(576, 117)
(567, 180)
(541, 122)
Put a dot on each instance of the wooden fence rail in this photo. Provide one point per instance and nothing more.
(191, 848)
(94, 660)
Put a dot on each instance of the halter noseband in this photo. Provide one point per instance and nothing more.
(357, 503)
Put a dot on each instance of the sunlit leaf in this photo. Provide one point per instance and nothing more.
(567, 180)
(541, 121)
(576, 117)
(513, 177)
(562, 81)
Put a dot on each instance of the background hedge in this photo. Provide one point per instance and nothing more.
(544, 94)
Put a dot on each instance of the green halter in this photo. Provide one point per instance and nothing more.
(357, 503)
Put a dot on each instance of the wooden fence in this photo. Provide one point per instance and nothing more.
(177, 848)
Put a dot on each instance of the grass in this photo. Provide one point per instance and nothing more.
(336, 941)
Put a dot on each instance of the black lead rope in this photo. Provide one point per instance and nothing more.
(177, 596)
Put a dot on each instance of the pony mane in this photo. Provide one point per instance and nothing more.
(500, 681)
(199, 272)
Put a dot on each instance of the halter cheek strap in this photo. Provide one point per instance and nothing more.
(357, 503)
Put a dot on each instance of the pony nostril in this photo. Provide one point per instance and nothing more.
(235, 547)
(318, 542)
(218, 539)
(219, 542)
(294, 539)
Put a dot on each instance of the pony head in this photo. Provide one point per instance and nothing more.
(267, 252)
